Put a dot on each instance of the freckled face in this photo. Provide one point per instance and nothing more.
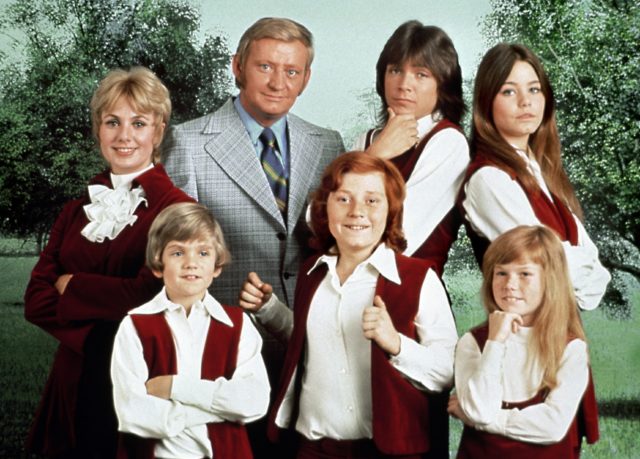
(517, 287)
(189, 269)
(410, 89)
(357, 213)
(518, 107)
(127, 138)
(273, 76)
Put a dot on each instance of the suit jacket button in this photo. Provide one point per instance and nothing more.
(281, 236)
(286, 275)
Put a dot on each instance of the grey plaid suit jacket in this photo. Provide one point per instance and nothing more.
(213, 160)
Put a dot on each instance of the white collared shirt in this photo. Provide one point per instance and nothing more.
(180, 423)
(434, 184)
(503, 372)
(495, 203)
(335, 401)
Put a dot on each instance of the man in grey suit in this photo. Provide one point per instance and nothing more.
(218, 160)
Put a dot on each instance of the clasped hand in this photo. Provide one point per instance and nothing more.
(378, 326)
(254, 293)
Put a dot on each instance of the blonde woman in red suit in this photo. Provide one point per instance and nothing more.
(516, 175)
(92, 270)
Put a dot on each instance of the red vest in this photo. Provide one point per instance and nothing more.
(436, 246)
(401, 413)
(229, 440)
(551, 212)
(476, 444)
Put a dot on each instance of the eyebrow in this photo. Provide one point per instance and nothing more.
(528, 83)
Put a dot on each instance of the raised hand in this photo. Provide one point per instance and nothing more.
(502, 324)
(254, 293)
(378, 327)
(399, 134)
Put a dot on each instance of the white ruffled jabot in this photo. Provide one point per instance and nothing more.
(111, 210)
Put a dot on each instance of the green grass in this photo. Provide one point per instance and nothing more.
(26, 353)
(14, 275)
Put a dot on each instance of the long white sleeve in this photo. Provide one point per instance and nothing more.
(242, 398)
(495, 203)
(432, 188)
(501, 373)
(194, 402)
(138, 412)
(428, 362)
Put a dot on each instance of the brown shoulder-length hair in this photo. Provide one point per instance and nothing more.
(557, 319)
(427, 46)
(359, 162)
(493, 71)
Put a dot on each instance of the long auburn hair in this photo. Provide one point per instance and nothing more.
(544, 142)
(556, 320)
(358, 162)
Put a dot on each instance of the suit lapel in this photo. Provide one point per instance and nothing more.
(231, 147)
(305, 150)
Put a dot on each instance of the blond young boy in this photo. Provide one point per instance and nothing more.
(187, 371)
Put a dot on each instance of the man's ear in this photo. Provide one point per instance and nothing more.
(307, 75)
(235, 67)
(157, 273)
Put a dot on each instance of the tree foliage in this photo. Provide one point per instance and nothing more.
(47, 149)
(589, 49)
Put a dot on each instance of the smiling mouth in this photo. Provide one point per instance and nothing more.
(511, 299)
(191, 277)
(125, 150)
(356, 227)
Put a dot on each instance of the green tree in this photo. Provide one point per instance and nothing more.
(589, 49)
(47, 149)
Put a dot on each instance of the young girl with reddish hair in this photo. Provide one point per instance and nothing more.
(523, 386)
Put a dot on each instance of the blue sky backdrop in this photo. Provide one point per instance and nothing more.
(349, 36)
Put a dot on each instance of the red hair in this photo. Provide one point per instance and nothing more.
(359, 162)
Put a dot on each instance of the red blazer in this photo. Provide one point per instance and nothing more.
(476, 444)
(228, 440)
(552, 213)
(400, 411)
(109, 279)
(437, 244)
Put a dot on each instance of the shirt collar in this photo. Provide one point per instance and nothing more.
(383, 260)
(124, 180)
(427, 122)
(254, 129)
(162, 303)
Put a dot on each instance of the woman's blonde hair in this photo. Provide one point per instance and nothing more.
(556, 321)
(184, 221)
(143, 90)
